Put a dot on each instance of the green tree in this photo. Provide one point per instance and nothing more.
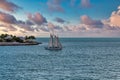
(31, 37)
(3, 36)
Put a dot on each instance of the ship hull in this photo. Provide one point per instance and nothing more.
(53, 48)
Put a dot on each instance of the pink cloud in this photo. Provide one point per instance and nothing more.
(115, 18)
(85, 3)
(8, 27)
(37, 18)
(9, 21)
(54, 5)
(53, 27)
(90, 22)
(7, 18)
(113, 22)
(8, 6)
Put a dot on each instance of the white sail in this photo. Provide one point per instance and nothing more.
(54, 43)
(59, 44)
(51, 41)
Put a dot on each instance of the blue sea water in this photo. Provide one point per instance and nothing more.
(80, 59)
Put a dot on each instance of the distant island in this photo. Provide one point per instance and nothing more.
(12, 40)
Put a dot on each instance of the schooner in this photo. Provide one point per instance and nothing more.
(54, 43)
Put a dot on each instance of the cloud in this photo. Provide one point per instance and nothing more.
(8, 6)
(49, 27)
(85, 3)
(45, 29)
(37, 18)
(119, 7)
(4, 30)
(53, 27)
(75, 28)
(22, 31)
(113, 23)
(7, 18)
(54, 5)
(90, 22)
(9, 27)
(115, 18)
(26, 26)
(87, 27)
(59, 20)
(66, 28)
(9, 21)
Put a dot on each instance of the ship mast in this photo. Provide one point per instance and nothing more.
(54, 42)
(51, 41)
(59, 44)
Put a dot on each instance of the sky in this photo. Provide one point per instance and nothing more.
(66, 18)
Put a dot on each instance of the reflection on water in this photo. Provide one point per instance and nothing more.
(80, 59)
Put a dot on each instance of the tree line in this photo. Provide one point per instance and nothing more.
(13, 38)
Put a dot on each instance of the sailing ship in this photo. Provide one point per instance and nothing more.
(54, 43)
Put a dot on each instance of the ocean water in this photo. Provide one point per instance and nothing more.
(80, 59)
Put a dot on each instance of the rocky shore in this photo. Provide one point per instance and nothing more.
(18, 44)
(12, 40)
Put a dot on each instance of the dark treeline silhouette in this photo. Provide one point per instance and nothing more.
(13, 38)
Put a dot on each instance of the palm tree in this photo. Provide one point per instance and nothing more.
(12, 38)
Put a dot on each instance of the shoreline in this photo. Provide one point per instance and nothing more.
(18, 44)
